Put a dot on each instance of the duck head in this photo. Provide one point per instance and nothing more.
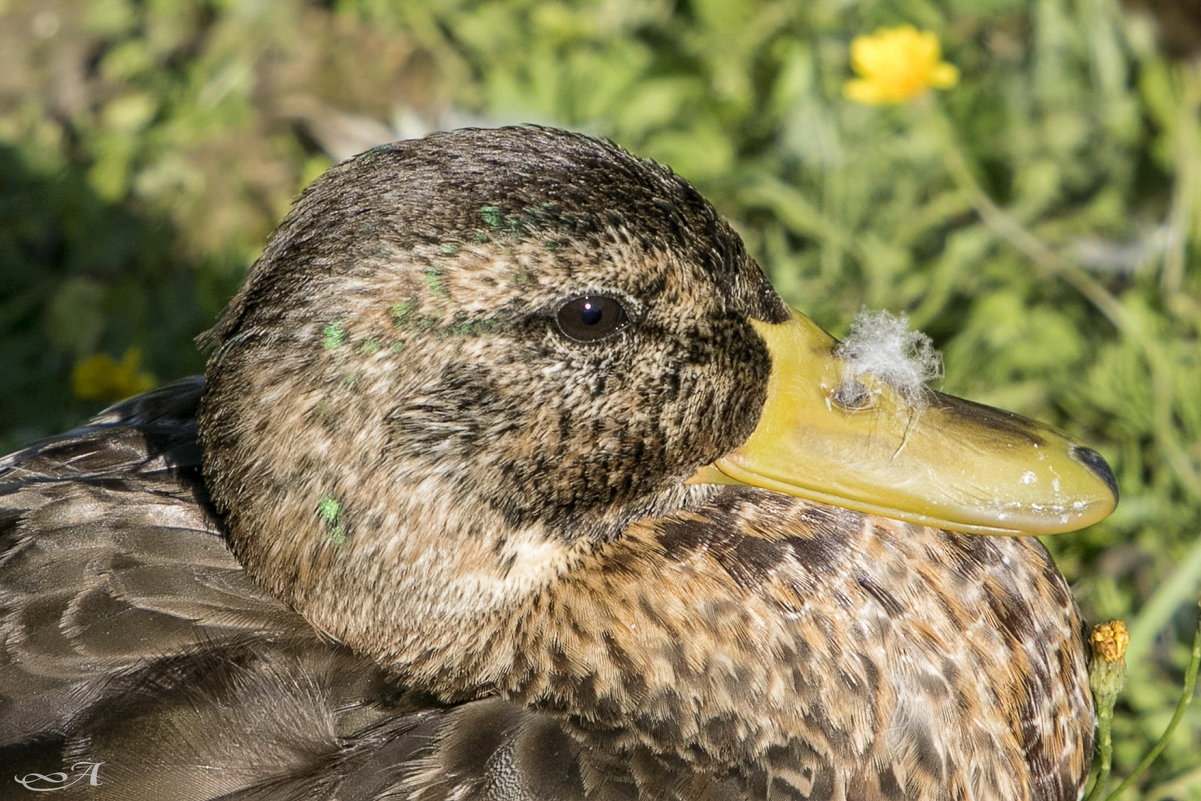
(466, 363)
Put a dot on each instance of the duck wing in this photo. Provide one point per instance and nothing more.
(110, 560)
(130, 636)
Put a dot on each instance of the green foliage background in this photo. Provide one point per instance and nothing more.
(1042, 220)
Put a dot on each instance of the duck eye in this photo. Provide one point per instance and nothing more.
(590, 318)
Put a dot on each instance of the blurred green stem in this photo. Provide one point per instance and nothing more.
(1187, 133)
(1163, 603)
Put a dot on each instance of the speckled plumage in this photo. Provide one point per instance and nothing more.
(411, 542)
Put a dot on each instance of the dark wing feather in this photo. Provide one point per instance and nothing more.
(109, 558)
(130, 635)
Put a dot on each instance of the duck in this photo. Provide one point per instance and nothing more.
(511, 477)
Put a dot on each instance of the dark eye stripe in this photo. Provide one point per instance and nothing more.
(590, 318)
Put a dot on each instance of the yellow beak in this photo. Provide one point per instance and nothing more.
(932, 459)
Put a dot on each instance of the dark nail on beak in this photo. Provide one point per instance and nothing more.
(1097, 464)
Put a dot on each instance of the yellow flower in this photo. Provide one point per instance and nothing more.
(101, 377)
(1110, 640)
(895, 65)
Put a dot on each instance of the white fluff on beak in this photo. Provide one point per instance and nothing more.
(881, 345)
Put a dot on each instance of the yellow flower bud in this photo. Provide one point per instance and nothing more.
(1109, 640)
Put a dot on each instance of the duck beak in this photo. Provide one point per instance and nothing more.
(918, 456)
